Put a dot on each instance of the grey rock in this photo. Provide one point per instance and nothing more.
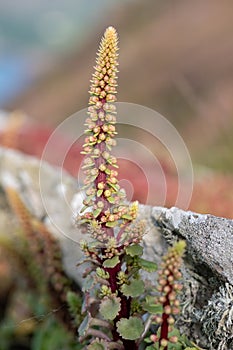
(209, 238)
(207, 297)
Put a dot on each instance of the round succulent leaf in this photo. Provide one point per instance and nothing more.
(134, 250)
(110, 263)
(110, 307)
(134, 289)
(147, 265)
(130, 328)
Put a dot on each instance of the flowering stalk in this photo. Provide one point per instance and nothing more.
(103, 194)
(169, 287)
(104, 208)
(109, 218)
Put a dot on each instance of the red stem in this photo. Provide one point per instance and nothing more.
(165, 325)
(113, 272)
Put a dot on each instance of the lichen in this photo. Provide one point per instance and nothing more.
(217, 319)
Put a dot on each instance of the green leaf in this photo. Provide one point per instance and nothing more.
(176, 332)
(147, 340)
(134, 289)
(102, 273)
(83, 209)
(187, 344)
(147, 265)
(127, 217)
(92, 178)
(97, 345)
(177, 346)
(130, 328)
(99, 192)
(134, 250)
(110, 263)
(114, 186)
(93, 245)
(150, 306)
(86, 166)
(88, 283)
(109, 147)
(153, 308)
(111, 223)
(111, 200)
(110, 307)
(84, 326)
(97, 212)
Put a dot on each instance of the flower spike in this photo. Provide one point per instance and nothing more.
(103, 207)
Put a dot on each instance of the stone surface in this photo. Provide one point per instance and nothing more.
(52, 196)
(209, 238)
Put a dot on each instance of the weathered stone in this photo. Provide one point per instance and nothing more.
(209, 238)
(207, 297)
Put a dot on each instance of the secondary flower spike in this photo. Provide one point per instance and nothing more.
(103, 206)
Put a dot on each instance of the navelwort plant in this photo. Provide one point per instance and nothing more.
(122, 312)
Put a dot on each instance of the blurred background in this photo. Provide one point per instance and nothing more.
(176, 57)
